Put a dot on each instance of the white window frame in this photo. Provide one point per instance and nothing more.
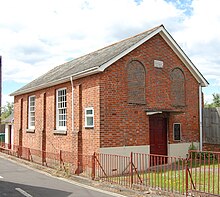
(89, 116)
(180, 132)
(63, 128)
(31, 111)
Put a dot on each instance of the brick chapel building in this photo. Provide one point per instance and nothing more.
(141, 94)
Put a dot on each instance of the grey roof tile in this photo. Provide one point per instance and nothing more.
(83, 63)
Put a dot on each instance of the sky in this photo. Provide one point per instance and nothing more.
(37, 35)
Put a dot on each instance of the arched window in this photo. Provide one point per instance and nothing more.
(177, 87)
(136, 82)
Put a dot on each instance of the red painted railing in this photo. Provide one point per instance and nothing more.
(197, 174)
(204, 172)
(72, 164)
(143, 171)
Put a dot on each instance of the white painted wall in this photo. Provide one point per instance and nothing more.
(7, 133)
(12, 134)
(174, 150)
(126, 150)
(120, 167)
(180, 149)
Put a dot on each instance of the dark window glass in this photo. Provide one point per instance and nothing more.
(176, 131)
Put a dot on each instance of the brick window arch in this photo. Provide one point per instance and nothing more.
(177, 87)
(136, 82)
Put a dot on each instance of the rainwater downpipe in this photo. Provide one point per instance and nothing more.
(200, 116)
(71, 79)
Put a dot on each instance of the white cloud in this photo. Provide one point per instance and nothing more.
(6, 98)
(208, 98)
(38, 35)
(199, 37)
(199, 34)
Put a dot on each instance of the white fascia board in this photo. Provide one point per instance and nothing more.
(184, 58)
(78, 75)
(113, 60)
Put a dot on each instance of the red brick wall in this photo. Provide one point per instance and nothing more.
(17, 107)
(56, 142)
(34, 140)
(124, 124)
(211, 147)
(90, 98)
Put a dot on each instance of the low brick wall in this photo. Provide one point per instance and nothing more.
(211, 147)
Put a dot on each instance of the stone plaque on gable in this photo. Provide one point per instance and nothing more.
(158, 64)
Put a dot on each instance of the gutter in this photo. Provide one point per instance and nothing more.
(71, 79)
(200, 117)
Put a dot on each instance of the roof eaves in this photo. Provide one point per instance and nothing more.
(78, 75)
(42, 86)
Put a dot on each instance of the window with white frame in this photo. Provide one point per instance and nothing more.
(176, 131)
(31, 112)
(89, 117)
(61, 109)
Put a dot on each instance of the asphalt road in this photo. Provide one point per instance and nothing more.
(20, 181)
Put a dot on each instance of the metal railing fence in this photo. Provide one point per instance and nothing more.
(198, 174)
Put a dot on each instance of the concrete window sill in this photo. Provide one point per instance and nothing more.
(30, 130)
(89, 127)
(60, 132)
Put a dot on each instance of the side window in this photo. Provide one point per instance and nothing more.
(61, 104)
(136, 82)
(177, 87)
(176, 131)
(89, 117)
(31, 112)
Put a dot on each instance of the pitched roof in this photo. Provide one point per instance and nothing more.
(9, 119)
(99, 60)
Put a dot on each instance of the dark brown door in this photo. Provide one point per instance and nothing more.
(158, 135)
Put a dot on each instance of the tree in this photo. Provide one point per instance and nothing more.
(7, 110)
(216, 101)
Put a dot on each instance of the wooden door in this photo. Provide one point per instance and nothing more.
(158, 135)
